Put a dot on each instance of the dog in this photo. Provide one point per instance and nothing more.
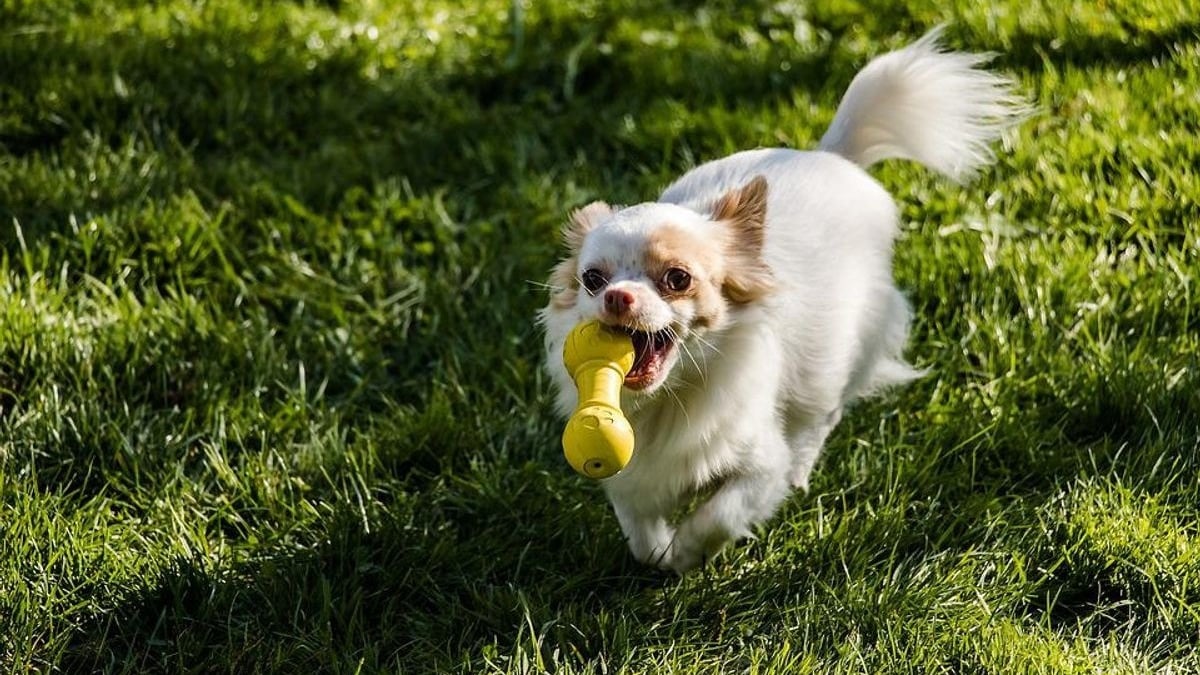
(758, 292)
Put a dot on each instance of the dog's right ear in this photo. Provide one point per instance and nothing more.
(582, 221)
(564, 283)
(564, 279)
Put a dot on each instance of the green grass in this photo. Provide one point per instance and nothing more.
(270, 396)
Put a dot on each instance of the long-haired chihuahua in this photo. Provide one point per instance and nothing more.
(759, 295)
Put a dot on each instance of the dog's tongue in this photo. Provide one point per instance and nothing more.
(649, 350)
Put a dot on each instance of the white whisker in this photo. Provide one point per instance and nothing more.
(708, 344)
(687, 352)
(708, 347)
(545, 286)
(679, 402)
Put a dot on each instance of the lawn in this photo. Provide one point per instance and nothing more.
(270, 386)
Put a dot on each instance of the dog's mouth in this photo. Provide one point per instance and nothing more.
(651, 350)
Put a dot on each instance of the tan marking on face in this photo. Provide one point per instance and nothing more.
(671, 246)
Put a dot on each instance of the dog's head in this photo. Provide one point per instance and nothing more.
(661, 272)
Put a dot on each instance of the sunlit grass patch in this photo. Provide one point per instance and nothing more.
(270, 386)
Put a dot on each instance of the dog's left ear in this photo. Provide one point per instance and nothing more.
(582, 221)
(743, 211)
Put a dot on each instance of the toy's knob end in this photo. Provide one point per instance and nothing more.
(598, 441)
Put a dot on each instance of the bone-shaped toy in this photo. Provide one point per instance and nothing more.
(598, 440)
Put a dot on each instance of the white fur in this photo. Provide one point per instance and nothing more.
(923, 104)
(746, 408)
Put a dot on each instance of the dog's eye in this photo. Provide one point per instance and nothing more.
(594, 280)
(677, 280)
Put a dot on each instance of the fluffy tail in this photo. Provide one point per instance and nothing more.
(924, 104)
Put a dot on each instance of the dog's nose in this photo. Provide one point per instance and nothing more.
(618, 301)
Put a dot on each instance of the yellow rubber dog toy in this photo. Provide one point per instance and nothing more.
(598, 440)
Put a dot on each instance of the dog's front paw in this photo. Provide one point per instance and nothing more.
(697, 541)
(652, 545)
(690, 549)
(684, 559)
(666, 551)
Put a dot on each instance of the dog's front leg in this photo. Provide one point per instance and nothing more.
(743, 501)
(648, 532)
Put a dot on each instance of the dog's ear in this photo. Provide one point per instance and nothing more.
(564, 283)
(582, 221)
(743, 211)
(564, 278)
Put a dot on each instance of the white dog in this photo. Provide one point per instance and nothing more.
(759, 294)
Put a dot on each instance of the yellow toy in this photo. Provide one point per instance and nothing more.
(598, 440)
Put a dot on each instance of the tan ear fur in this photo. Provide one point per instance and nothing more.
(564, 284)
(564, 278)
(744, 212)
(582, 221)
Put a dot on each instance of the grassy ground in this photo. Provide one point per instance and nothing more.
(269, 386)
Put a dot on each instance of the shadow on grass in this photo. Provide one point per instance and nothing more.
(236, 108)
(1035, 51)
(421, 591)
(282, 150)
(203, 113)
(449, 579)
(481, 566)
